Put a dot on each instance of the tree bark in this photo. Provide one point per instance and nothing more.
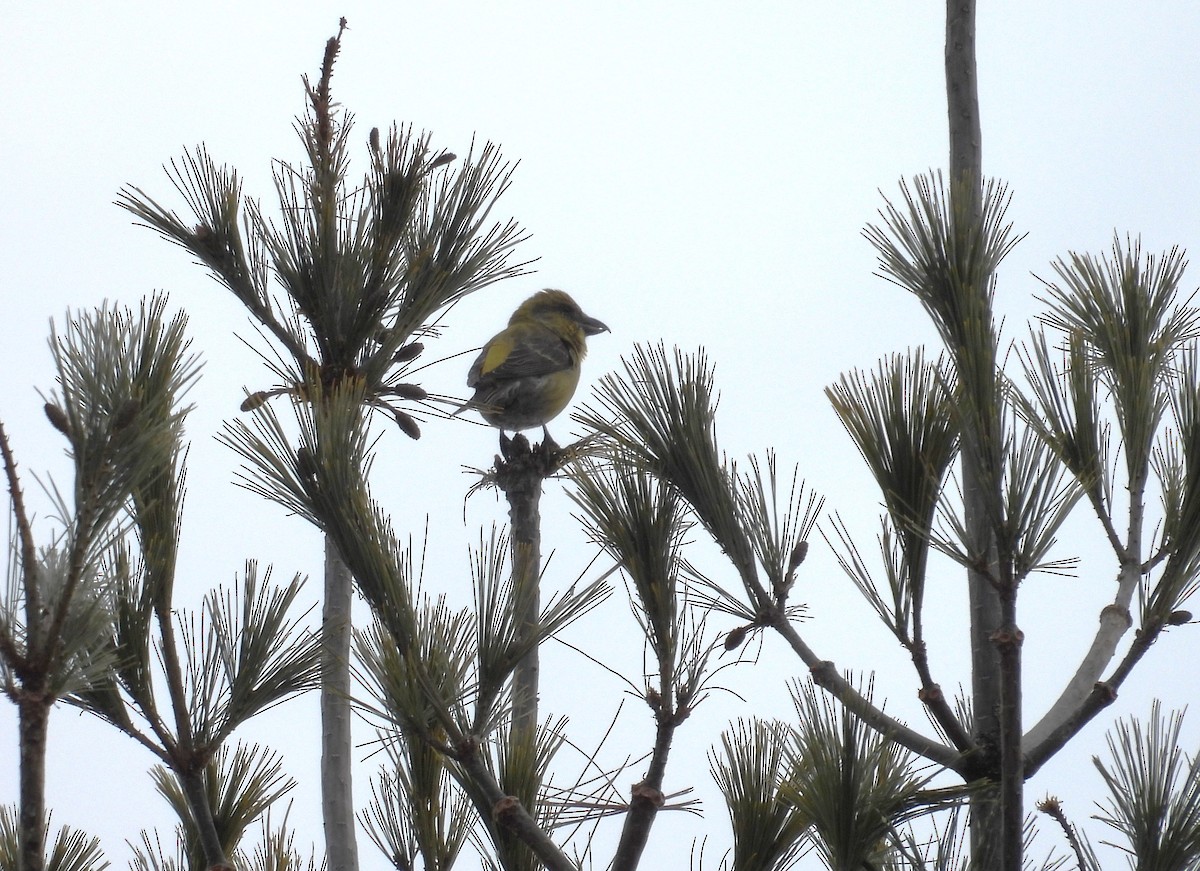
(962, 95)
(192, 782)
(521, 480)
(33, 722)
(1115, 621)
(510, 813)
(995, 685)
(1008, 640)
(986, 618)
(337, 746)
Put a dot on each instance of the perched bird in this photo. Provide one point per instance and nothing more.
(527, 373)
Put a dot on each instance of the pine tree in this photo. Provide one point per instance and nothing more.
(980, 457)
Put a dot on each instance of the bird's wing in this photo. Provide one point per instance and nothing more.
(520, 351)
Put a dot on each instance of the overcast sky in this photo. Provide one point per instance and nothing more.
(693, 173)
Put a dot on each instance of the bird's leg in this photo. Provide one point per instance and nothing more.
(547, 442)
(511, 448)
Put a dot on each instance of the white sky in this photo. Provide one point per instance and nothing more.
(695, 173)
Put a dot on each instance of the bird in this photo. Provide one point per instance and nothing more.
(527, 373)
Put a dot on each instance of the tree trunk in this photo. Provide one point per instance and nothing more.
(962, 96)
(523, 490)
(985, 668)
(192, 783)
(995, 687)
(337, 747)
(33, 725)
(1007, 640)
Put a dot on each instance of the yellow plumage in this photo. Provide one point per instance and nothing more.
(527, 373)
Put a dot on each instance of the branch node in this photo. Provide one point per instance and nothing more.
(466, 748)
(1105, 692)
(1120, 612)
(1007, 638)
(824, 673)
(642, 793)
(506, 809)
(931, 695)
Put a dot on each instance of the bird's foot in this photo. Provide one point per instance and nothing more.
(511, 448)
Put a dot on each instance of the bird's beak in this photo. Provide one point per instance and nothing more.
(591, 326)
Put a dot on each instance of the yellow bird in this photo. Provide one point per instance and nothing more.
(527, 373)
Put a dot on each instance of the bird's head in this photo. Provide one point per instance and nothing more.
(557, 310)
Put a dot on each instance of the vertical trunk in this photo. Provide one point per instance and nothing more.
(337, 747)
(192, 781)
(986, 672)
(524, 516)
(986, 619)
(1012, 765)
(962, 96)
(33, 725)
(995, 664)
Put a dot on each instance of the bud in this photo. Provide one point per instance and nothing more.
(414, 392)
(735, 638)
(306, 464)
(1178, 618)
(407, 425)
(254, 400)
(408, 352)
(799, 552)
(58, 418)
(441, 160)
(373, 140)
(126, 415)
(1049, 805)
